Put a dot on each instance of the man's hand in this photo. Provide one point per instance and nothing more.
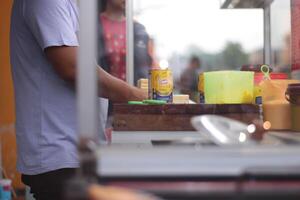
(118, 90)
(64, 62)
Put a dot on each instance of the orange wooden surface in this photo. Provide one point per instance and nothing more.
(7, 112)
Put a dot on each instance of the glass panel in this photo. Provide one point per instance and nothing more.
(197, 36)
(209, 52)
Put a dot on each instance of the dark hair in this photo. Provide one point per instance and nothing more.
(102, 5)
(195, 59)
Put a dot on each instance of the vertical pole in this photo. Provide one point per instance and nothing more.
(87, 90)
(295, 39)
(87, 102)
(267, 35)
(129, 43)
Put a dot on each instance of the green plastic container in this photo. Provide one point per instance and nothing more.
(228, 87)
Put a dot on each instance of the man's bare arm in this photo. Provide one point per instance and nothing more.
(118, 90)
(64, 61)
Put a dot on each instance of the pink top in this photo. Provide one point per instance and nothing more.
(115, 45)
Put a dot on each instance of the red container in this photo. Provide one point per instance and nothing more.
(258, 77)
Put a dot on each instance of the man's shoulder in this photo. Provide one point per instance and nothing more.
(45, 4)
(44, 9)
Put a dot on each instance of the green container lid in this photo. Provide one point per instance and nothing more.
(154, 102)
(135, 103)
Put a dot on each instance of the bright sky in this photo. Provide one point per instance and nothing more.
(176, 24)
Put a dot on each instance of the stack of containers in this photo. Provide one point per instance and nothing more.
(276, 109)
(269, 91)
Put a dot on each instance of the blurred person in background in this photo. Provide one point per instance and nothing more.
(112, 42)
(188, 82)
(112, 46)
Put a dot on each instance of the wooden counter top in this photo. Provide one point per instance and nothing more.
(196, 109)
(172, 117)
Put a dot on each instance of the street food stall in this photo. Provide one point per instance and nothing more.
(234, 135)
(221, 116)
(242, 142)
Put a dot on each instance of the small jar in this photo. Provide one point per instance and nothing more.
(293, 96)
(5, 191)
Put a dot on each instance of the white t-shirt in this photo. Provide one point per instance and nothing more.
(46, 123)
